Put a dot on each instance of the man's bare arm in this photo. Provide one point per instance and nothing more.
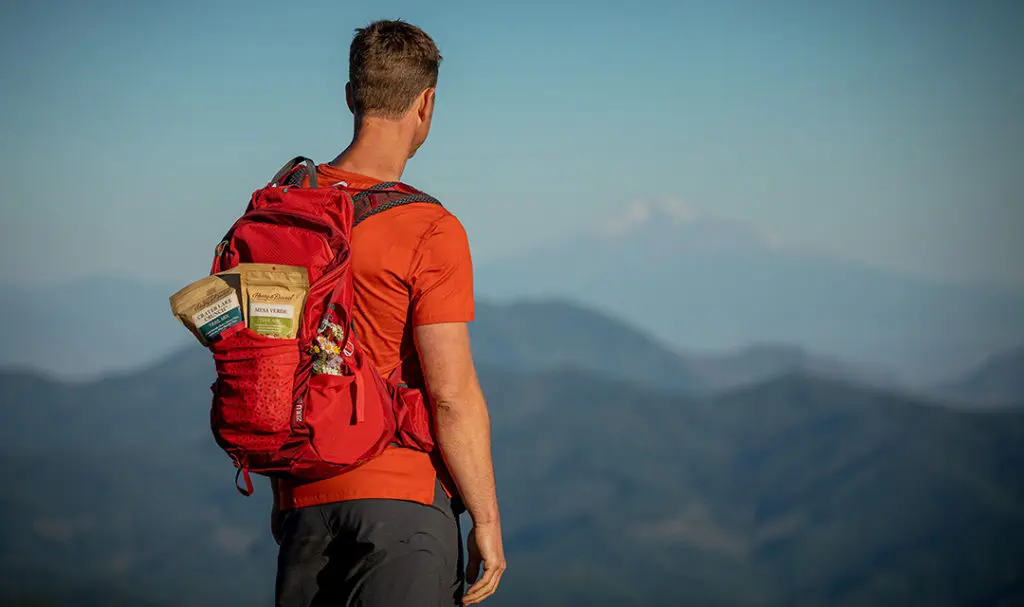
(464, 436)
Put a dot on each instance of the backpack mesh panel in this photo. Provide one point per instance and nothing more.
(255, 378)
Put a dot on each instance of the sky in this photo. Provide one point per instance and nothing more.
(885, 132)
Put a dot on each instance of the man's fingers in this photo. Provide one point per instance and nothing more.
(484, 588)
(478, 591)
(475, 592)
(492, 585)
(481, 593)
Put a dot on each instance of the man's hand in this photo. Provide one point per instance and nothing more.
(484, 549)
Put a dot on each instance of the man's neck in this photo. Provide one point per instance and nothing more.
(378, 150)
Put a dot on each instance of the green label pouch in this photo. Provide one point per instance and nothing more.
(274, 296)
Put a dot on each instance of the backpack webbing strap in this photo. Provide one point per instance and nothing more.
(378, 199)
(289, 176)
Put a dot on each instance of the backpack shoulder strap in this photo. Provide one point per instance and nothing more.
(385, 196)
(294, 172)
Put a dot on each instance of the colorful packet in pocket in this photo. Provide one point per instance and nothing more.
(274, 296)
(208, 307)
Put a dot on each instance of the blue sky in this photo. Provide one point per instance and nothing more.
(885, 132)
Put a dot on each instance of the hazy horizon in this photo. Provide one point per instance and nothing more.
(886, 134)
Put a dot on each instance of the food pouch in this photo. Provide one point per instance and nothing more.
(208, 307)
(274, 296)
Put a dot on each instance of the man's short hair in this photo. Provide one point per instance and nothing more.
(390, 64)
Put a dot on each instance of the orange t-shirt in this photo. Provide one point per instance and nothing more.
(410, 266)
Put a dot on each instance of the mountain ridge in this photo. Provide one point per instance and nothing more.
(795, 490)
(700, 289)
(529, 334)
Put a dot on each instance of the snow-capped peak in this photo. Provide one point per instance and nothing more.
(669, 219)
(643, 211)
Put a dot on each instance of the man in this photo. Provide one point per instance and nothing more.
(386, 534)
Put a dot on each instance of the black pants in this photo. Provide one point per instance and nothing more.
(371, 553)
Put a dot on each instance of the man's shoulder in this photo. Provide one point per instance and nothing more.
(404, 235)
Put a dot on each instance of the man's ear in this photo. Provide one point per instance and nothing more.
(426, 104)
(348, 97)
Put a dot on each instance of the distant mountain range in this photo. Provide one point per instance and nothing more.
(80, 342)
(702, 283)
(543, 335)
(83, 341)
(789, 491)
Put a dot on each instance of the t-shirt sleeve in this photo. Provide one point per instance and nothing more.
(441, 275)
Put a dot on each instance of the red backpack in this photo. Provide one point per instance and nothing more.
(311, 407)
